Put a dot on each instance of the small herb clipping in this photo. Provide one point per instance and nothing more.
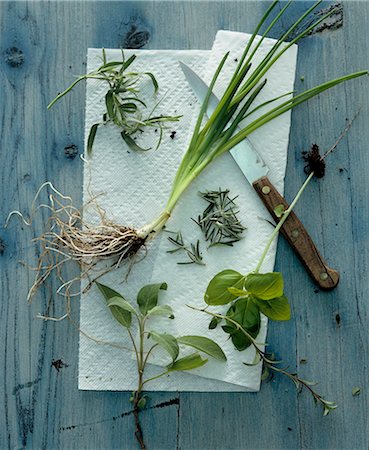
(219, 221)
(147, 307)
(356, 391)
(192, 250)
(125, 107)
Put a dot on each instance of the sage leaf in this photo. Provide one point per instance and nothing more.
(122, 304)
(91, 138)
(246, 313)
(147, 298)
(276, 309)
(265, 286)
(122, 316)
(167, 342)
(205, 345)
(161, 310)
(189, 362)
(217, 292)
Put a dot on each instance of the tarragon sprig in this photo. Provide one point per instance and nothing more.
(125, 107)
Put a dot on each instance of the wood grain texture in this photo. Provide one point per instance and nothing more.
(43, 44)
(297, 236)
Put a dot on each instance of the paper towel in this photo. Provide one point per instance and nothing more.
(136, 186)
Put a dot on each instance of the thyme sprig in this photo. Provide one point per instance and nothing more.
(219, 221)
(125, 108)
(192, 250)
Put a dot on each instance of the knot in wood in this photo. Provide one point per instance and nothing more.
(14, 57)
(2, 247)
(71, 151)
(136, 38)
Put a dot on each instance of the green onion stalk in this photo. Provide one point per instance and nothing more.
(218, 134)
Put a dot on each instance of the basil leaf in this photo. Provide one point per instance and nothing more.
(217, 292)
(238, 292)
(205, 345)
(189, 362)
(147, 298)
(167, 342)
(246, 313)
(214, 323)
(276, 308)
(163, 310)
(123, 316)
(265, 286)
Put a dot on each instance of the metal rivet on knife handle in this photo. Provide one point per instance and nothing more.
(265, 190)
(295, 233)
(324, 276)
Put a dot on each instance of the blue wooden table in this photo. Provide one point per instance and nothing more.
(43, 45)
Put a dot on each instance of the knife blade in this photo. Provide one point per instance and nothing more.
(256, 171)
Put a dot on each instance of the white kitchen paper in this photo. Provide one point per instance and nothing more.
(135, 187)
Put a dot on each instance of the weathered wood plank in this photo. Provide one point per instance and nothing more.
(43, 45)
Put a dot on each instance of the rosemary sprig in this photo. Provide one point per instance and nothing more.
(192, 250)
(124, 106)
(219, 221)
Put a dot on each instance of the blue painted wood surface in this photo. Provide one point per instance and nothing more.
(43, 44)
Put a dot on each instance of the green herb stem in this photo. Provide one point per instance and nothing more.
(155, 377)
(281, 222)
(327, 405)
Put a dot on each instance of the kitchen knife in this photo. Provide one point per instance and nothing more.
(256, 171)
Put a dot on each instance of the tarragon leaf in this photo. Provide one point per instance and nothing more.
(91, 137)
(154, 81)
(132, 143)
(109, 102)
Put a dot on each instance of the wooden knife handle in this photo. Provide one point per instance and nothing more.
(297, 236)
